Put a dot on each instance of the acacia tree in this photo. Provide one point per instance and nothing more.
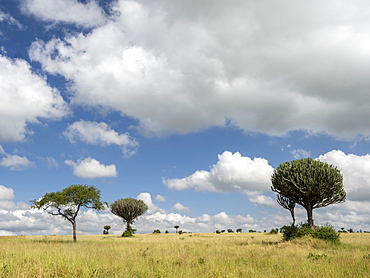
(176, 227)
(68, 202)
(288, 204)
(128, 209)
(309, 183)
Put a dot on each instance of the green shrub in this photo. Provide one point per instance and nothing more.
(274, 231)
(289, 232)
(327, 233)
(128, 232)
(305, 230)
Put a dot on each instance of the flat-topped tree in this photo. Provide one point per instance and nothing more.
(128, 209)
(309, 183)
(68, 202)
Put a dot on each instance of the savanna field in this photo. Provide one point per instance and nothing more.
(185, 255)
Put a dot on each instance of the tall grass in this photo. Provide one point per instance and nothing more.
(186, 255)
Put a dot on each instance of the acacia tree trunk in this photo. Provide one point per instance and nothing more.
(309, 217)
(74, 231)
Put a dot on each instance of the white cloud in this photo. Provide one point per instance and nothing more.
(355, 170)
(9, 19)
(181, 208)
(233, 172)
(6, 200)
(147, 198)
(16, 162)
(160, 198)
(183, 66)
(2, 151)
(6, 194)
(300, 153)
(25, 97)
(66, 11)
(265, 201)
(51, 162)
(90, 168)
(101, 134)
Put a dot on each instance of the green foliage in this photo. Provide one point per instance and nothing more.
(157, 231)
(230, 230)
(274, 231)
(316, 257)
(289, 232)
(239, 230)
(309, 183)
(68, 202)
(180, 232)
(176, 227)
(166, 232)
(128, 209)
(251, 231)
(326, 233)
(218, 232)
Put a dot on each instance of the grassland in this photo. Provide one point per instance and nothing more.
(186, 255)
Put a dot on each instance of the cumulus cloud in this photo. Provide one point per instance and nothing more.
(147, 199)
(90, 168)
(7, 200)
(25, 97)
(355, 170)
(181, 208)
(183, 66)
(232, 172)
(66, 11)
(101, 134)
(16, 162)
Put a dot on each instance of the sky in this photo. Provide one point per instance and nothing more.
(186, 105)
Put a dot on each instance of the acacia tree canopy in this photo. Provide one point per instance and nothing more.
(309, 183)
(129, 209)
(68, 202)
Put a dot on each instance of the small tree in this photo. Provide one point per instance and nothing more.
(239, 230)
(68, 202)
(128, 209)
(176, 227)
(288, 204)
(309, 183)
(106, 229)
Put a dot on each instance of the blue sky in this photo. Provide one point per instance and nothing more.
(187, 105)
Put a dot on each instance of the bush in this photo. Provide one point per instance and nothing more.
(274, 231)
(128, 232)
(157, 231)
(289, 232)
(326, 233)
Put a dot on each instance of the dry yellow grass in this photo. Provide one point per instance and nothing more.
(186, 255)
